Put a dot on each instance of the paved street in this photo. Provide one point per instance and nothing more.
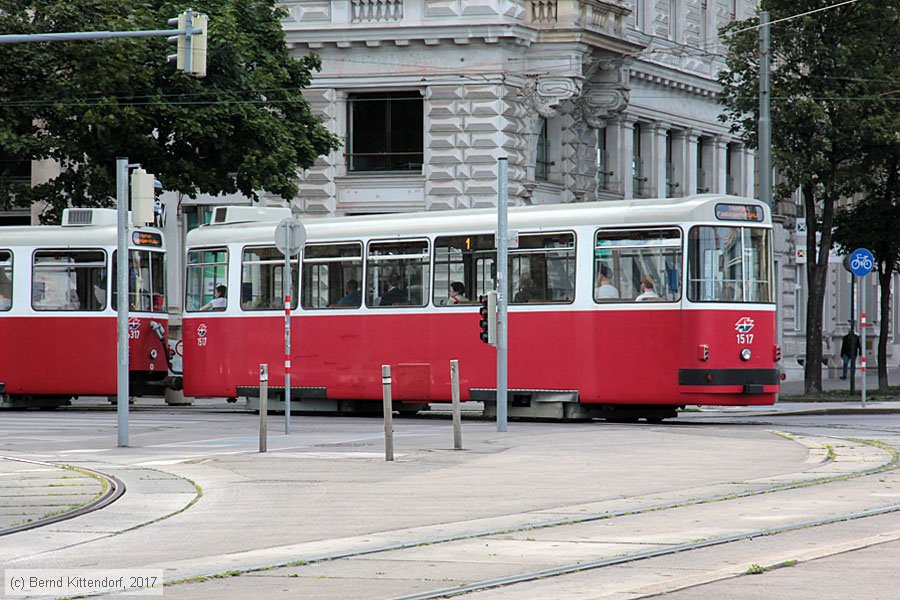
(201, 501)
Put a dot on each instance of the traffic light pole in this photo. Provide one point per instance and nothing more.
(502, 289)
(122, 392)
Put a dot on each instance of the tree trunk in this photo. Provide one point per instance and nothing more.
(816, 272)
(884, 283)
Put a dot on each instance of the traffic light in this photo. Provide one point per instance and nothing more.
(143, 197)
(487, 317)
(190, 56)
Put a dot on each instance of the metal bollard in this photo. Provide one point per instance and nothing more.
(388, 413)
(454, 391)
(263, 407)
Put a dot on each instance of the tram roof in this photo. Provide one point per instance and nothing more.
(57, 236)
(697, 208)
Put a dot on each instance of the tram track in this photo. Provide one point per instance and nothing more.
(112, 489)
(646, 509)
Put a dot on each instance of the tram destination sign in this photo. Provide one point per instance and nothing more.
(739, 212)
(146, 238)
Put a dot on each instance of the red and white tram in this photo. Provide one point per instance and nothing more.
(619, 309)
(58, 310)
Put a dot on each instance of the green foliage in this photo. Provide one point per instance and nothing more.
(833, 113)
(244, 128)
(828, 71)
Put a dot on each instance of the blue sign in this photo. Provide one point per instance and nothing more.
(861, 262)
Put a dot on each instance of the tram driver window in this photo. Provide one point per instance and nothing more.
(729, 264)
(466, 263)
(542, 269)
(207, 269)
(64, 280)
(332, 275)
(397, 274)
(637, 265)
(262, 277)
(5, 280)
(146, 282)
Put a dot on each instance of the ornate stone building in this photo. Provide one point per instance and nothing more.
(588, 99)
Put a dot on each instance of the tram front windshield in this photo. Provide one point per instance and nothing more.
(729, 264)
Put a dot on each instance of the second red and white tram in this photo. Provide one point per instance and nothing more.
(58, 310)
(619, 309)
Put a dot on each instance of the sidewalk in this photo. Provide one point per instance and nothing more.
(833, 385)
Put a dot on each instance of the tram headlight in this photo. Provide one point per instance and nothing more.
(745, 354)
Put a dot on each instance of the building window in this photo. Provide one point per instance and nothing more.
(673, 20)
(385, 131)
(702, 182)
(542, 158)
(671, 184)
(603, 170)
(704, 24)
(637, 162)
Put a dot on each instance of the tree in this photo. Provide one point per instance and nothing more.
(818, 61)
(874, 223)
(244, 128)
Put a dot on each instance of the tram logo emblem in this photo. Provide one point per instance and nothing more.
(134, 323)
(743, 325)
(201, 330)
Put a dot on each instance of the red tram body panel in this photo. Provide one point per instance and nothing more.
(698, 342)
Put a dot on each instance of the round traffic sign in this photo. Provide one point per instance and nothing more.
(290, 235)
(861, 262)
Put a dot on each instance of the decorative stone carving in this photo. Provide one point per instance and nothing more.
(606, 92)
(544, 94)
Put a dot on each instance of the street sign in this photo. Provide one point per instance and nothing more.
(861, 262)
(297, 236)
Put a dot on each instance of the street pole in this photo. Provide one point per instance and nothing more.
(288, 288)
(862, 326)
(853, 333)
(765, 123)
(122, 391)
(502, 287)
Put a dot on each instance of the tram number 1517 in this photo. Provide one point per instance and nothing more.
(745, 338)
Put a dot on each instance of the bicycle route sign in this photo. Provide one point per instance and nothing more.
(861, 262)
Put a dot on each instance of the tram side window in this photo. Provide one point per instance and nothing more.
(397, 273)
(207, 269)
(69, 280)
(729, 264)
(637, 265)
(464, 268)
(146, 281)
(5, 280)
(332, 275)
(262, 279)
(542, 269)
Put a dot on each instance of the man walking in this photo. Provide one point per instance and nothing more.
(849, 350)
